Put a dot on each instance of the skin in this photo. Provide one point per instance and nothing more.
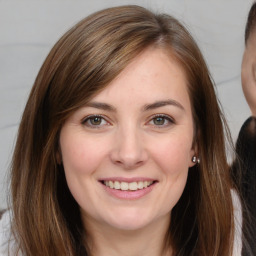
(248, 73)
(128, 141)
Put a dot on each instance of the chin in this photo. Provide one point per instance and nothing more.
(130, 221)
(129, 225)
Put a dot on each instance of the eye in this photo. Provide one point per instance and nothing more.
(94, 121)
(161, 120)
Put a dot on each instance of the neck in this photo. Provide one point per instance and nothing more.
(149, 240)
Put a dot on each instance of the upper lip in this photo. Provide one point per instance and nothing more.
(123, 179)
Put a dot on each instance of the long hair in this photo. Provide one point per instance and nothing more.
(83, 62)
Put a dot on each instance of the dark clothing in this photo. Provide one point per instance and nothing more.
(246, 182)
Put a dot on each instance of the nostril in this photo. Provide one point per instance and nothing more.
(128, 157)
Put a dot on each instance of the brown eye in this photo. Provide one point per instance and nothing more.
(159, 120)
(94, 121)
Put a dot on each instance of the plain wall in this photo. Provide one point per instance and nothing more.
(28, 30)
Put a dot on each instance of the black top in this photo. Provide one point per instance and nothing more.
(246, 181)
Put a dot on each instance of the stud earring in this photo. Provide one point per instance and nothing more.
(195, 159)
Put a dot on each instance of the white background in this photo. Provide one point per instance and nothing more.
(28, 30)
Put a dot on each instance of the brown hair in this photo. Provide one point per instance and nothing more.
(251, 22)
(82, 63)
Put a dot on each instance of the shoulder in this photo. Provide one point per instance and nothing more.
(248, 129)
(6, 239)
(238, 219)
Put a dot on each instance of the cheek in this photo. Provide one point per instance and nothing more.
(173, 156)
(173, 160)
(80, 156)
(247, 74)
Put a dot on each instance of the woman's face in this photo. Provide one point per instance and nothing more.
(126, 153)
(249, 72)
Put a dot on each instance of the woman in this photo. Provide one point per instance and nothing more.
(121, 148)
(246, 142)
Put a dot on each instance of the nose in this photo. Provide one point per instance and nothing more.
(128, 149)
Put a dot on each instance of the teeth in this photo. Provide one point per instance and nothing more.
(117, 185)
(111, 184)
(124, 185)
(133, 186)
(140, 185)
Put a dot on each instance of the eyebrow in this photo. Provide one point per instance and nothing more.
(103, 106)
(157, 104)
(163, 103)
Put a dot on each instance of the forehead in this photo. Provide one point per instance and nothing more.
(152, 75)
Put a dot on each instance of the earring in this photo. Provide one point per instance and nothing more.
(195, 159)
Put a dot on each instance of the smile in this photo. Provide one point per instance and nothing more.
(126, 186)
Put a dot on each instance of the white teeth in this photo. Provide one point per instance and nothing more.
(111, 184)
(133, 186)
(140, 185)
(117, 185)
(124, 186)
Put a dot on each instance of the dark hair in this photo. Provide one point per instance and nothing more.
(244, 166)
(81, 64)
(251, 22)
(245, 181)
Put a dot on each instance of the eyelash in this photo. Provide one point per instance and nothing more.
(165, 118)
(87, 121)
(90, 118)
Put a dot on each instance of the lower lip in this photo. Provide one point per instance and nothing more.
(127, 194)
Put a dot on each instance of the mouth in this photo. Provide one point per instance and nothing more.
(130, 189)
(127, 186)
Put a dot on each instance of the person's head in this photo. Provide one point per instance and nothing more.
(248, 73)
(92, 67)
